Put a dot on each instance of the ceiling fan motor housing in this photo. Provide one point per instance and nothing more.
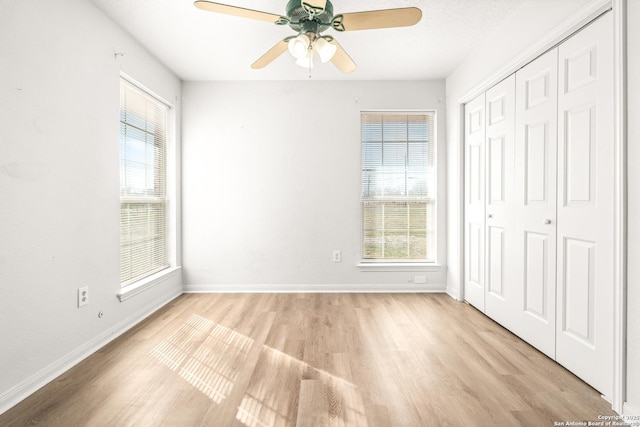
(302, 21)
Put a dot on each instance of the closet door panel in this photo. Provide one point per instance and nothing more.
(495, 266)
(474, 286)
(585, 205)
(500, 107)
(536, 279)
(534, 208)
(536, 164)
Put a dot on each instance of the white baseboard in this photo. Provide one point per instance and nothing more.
(316, 288)
(453, 292)
(32, 384)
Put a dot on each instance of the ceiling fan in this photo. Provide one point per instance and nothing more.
(309, 18)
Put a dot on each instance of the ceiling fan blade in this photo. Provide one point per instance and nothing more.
(373, 19)
(342, 60)
(236, 11)
(266, 59)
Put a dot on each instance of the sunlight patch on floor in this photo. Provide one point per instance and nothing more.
(332, 398)
(206, 354)
(209, 356)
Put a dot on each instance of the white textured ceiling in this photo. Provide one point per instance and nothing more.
(202, 46)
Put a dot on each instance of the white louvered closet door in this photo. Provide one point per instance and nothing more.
(474, 290)
(585, 205)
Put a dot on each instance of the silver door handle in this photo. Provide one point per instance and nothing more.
(489, 216)
(547, 221)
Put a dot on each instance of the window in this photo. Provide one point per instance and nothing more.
(398, 186)
(143, 225)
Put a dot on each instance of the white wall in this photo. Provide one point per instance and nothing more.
(272, 181)
(633, 159)
(59, 186)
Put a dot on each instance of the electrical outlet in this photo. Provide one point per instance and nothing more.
(337, 256)
(83, 296)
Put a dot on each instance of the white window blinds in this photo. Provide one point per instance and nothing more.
(398, 186)
(143, 136)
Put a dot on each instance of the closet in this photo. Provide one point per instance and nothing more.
(539, 208)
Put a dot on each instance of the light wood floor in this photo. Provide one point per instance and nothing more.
(313, 360)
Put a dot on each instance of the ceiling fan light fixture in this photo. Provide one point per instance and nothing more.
(307, 60)
(325, 49)
(299, 46)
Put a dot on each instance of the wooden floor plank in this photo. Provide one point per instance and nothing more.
(346, 360)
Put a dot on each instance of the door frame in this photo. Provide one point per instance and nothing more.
(576, 22)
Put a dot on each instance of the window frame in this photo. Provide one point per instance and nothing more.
(148, 279)
(406, 264)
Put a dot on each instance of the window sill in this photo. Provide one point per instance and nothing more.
(142, 285)
(399, 266)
